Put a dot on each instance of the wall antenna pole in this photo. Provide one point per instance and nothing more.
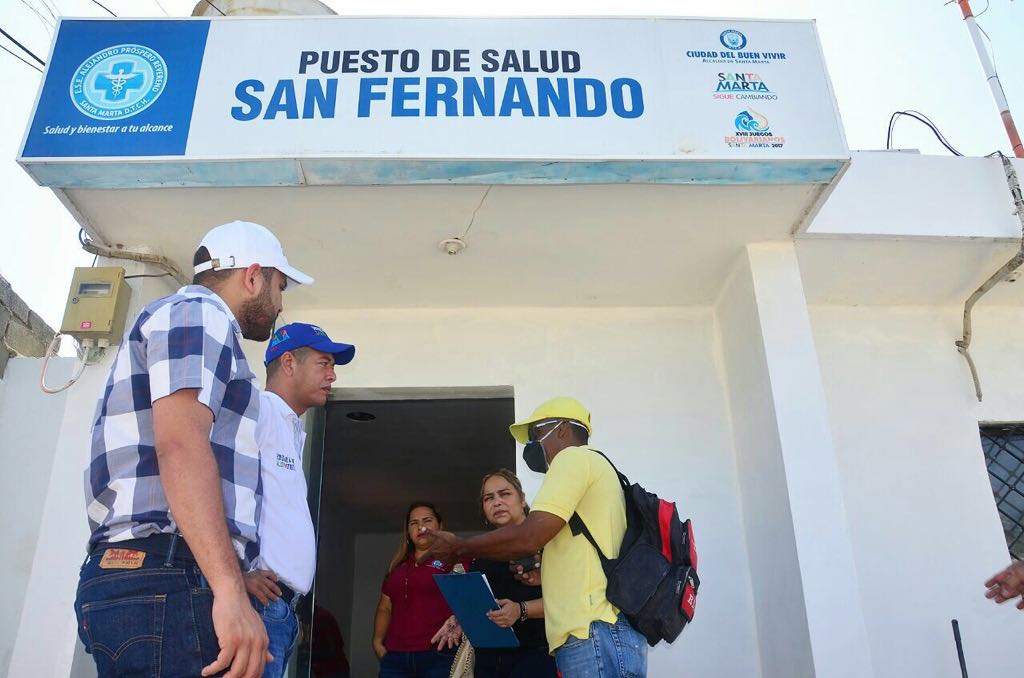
(993, 78)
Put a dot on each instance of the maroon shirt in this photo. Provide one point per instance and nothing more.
(417, 607)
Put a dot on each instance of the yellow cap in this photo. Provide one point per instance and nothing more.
(562, 407)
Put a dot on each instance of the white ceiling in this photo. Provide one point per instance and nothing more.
(376, 246)
(916, 272)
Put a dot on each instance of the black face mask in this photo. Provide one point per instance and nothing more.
(533, 455)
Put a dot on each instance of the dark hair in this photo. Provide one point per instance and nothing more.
(300, 356)
(406, 546)
(512, 479)
(212, 279)
(209, 278)
(579, 432)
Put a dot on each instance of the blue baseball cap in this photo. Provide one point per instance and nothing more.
(299, 335)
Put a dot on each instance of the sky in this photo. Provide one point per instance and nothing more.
(882, 56)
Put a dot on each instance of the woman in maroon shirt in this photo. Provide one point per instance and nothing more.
(411, 607)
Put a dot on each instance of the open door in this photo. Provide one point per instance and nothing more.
(369, 454)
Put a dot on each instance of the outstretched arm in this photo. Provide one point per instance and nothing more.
(506, 543)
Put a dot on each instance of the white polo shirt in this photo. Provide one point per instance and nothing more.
(287, 540)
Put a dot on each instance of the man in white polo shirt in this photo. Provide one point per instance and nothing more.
(300, 370)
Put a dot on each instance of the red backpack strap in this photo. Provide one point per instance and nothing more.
(665, 511)
(691, 544)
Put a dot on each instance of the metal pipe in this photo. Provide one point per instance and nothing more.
(964, 344)
(143, 257)
(959, 648)
(993, 79)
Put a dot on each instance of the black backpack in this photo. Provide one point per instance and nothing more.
(654, 580)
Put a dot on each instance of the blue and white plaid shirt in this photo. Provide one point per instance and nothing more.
(186, 340)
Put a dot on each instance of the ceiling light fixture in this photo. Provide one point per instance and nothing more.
(452, 245)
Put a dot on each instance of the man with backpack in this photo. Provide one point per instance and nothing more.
(588, 635)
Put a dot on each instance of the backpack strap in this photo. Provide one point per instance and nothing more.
(623, 480)
(577, 526)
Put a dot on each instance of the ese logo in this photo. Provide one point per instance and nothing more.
(118, 82)
(732, 39)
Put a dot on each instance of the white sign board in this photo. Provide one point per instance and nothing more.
(433, 88)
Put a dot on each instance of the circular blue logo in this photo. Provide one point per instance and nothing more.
(732, 39)
(118, 82)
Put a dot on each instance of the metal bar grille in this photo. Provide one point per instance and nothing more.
(1004, 457)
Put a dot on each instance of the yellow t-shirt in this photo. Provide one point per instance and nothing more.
(580, 481)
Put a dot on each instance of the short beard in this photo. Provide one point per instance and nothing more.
(256, 317)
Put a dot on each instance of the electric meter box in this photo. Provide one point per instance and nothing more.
(97, 305)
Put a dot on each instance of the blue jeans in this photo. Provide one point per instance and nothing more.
(282, 630)
(151, 622)
(516, 663)
(428, 664)
(612, 651)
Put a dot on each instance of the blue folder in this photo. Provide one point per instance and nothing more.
(470, 598)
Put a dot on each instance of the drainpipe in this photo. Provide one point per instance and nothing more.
(993, 79)
(143, 257)
(1009, 267)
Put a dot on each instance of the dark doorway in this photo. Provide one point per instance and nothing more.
(383, 449)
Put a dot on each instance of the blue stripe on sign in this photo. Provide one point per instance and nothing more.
(118, 88)
(396, 172)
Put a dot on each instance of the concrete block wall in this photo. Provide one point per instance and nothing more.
(22, 331)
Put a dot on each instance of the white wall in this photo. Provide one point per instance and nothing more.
(894, 195)
(923, 521)
(783, 634)
(787, 446)
(47, 641)
(901, 410)
(29, 424)
(650, 378)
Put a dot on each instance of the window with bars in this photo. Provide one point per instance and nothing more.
(1004, 457)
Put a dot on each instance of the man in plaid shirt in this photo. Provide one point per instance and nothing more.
(173, 491)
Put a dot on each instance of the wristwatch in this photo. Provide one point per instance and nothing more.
(523, 612)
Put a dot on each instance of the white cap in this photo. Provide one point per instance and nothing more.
(240, 244)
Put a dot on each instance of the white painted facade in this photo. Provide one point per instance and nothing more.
(924, 530)
(827, 452)
(28, 438)
(775, 355)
